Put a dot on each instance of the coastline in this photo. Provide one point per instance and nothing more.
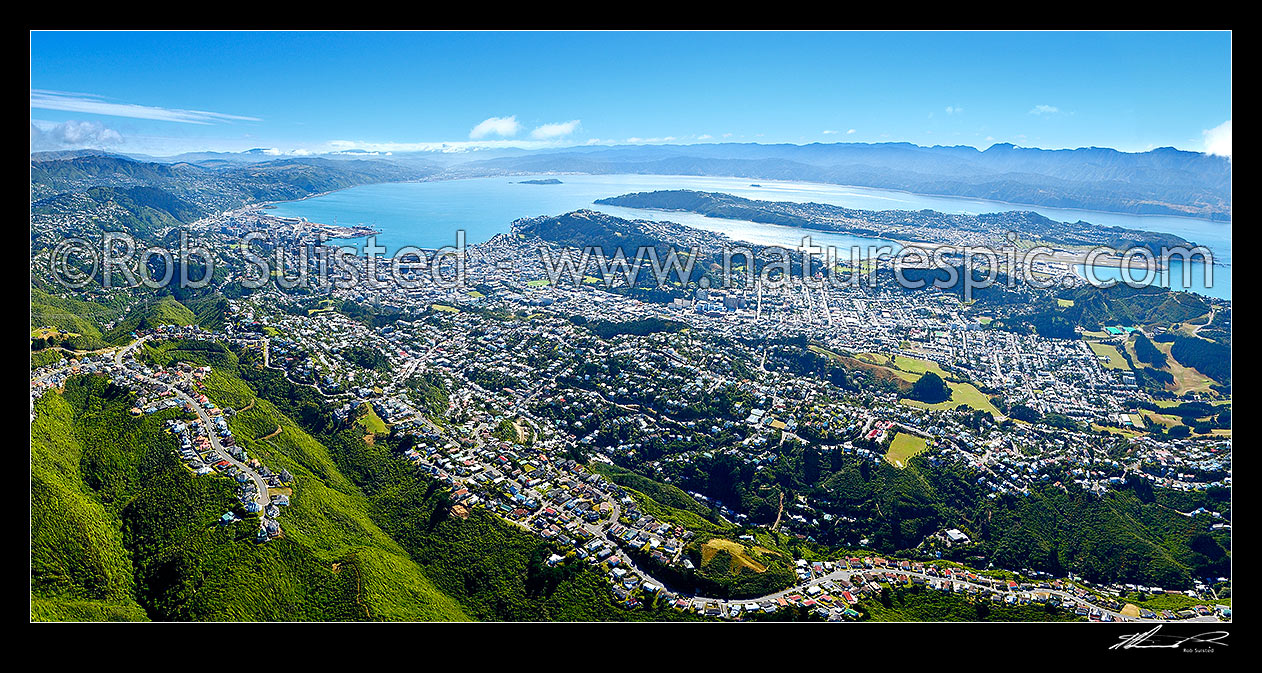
(334, 231)
(763, 185)
(1067, 258)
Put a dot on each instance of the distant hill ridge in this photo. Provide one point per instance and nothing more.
(1162, 181)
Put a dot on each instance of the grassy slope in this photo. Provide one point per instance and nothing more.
(904, 447)
(163, 311)
(328, 512)
(80, 569)
(1115, 359)
(372, 423)
(962, 394)
(111, 502)
(66, 314)
(665, 494)
(359, 499)
(350, 492)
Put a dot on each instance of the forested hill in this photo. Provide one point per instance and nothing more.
(272, 180)
(897, 223)
(582, 228)
(138, 196)
(123, 531)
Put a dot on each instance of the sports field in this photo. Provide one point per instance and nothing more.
(903, 448)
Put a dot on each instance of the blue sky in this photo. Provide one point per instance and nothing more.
(164, 93)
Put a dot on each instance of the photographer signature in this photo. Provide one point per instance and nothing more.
(1152, 640)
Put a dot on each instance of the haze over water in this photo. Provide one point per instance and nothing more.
(428, 214)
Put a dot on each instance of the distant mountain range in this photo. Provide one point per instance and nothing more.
(1164, 181)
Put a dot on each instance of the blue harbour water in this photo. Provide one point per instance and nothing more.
(428, 214)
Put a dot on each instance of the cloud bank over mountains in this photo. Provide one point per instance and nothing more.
(73, 134)
(1218, 140)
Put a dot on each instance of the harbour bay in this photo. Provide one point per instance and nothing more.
(428, 214)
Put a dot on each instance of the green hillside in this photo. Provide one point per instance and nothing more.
(352, 495)
(918, 604)
(122, 530)
(366, 537)
(79, 566)
(162, 311)
(68, 315)
(663, 501)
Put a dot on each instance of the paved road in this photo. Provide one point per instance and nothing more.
(847, 574)
(262, 497)
(601, 527)
(130, 349)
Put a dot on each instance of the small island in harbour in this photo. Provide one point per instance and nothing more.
(545, 181)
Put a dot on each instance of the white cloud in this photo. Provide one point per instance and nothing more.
(704, 136)
(849, 131)
(292, 152)
(553, 131)
(954, 110)
(72, 134)
(1044, 110)
(829, 132)
(1218, 140)
(504, 127)
(92, 104)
